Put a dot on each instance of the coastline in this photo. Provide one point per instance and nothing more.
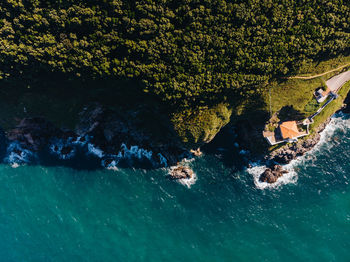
(289, 152)
(114, 134)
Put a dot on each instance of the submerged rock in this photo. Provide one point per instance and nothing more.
(181, 172)
(270, 175)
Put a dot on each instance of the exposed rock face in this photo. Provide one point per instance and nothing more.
(109, 130)
(287, 154)
(34, 133)
(270, 175)
(181, 172)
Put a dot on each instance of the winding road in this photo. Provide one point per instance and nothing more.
(338, 81)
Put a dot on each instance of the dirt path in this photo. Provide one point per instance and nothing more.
(322, 74)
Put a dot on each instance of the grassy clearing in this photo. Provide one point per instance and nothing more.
(295, 96)
(299, 93)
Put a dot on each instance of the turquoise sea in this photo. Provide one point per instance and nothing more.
(53, 212)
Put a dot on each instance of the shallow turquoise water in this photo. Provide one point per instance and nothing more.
(63, 214)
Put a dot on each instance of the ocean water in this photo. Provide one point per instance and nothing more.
(79, 212)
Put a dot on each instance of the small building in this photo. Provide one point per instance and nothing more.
(321, 94)
(286, 132)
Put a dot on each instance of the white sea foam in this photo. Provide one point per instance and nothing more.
(56, 148)
(132, 153)
(162, 160)
(135, 152)
(81, 140)
(14, 165)
(113, 162)
(188, 182)
(289, 178)
(16, 155)
(244, 152)
(340, 122)
(95, 150)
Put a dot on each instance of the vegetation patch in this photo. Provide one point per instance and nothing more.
(202, 124)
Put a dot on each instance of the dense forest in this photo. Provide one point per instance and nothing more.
(184, 51)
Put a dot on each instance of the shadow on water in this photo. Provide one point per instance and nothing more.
(225, 149)
(241, 140)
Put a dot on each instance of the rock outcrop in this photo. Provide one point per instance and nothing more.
(181, 172)
(109, 130)
(288, 153)
(34, 133)
(270, 175)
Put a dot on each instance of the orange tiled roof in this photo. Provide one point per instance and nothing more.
(326, 93)
(289, 129)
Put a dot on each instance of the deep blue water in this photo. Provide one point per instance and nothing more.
(57, 213)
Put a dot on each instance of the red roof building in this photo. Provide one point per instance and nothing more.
(289, 130)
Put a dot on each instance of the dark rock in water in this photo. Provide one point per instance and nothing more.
(288, 153)
(270, 175)
(34, 133)
(66, 150)
(109, 129)
(82, 139)
(181, 172)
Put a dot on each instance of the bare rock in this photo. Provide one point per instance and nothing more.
(181, 172)
(270, 175)
(196, 152)
(34, 133)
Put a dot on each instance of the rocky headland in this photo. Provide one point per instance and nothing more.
(289, 152)
(105, 129)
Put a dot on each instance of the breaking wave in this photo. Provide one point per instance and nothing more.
(94, 150)
(334, 132)
(289, 178)
(17, 155)
(187, 182)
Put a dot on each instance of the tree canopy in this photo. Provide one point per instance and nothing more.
(184, 51)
